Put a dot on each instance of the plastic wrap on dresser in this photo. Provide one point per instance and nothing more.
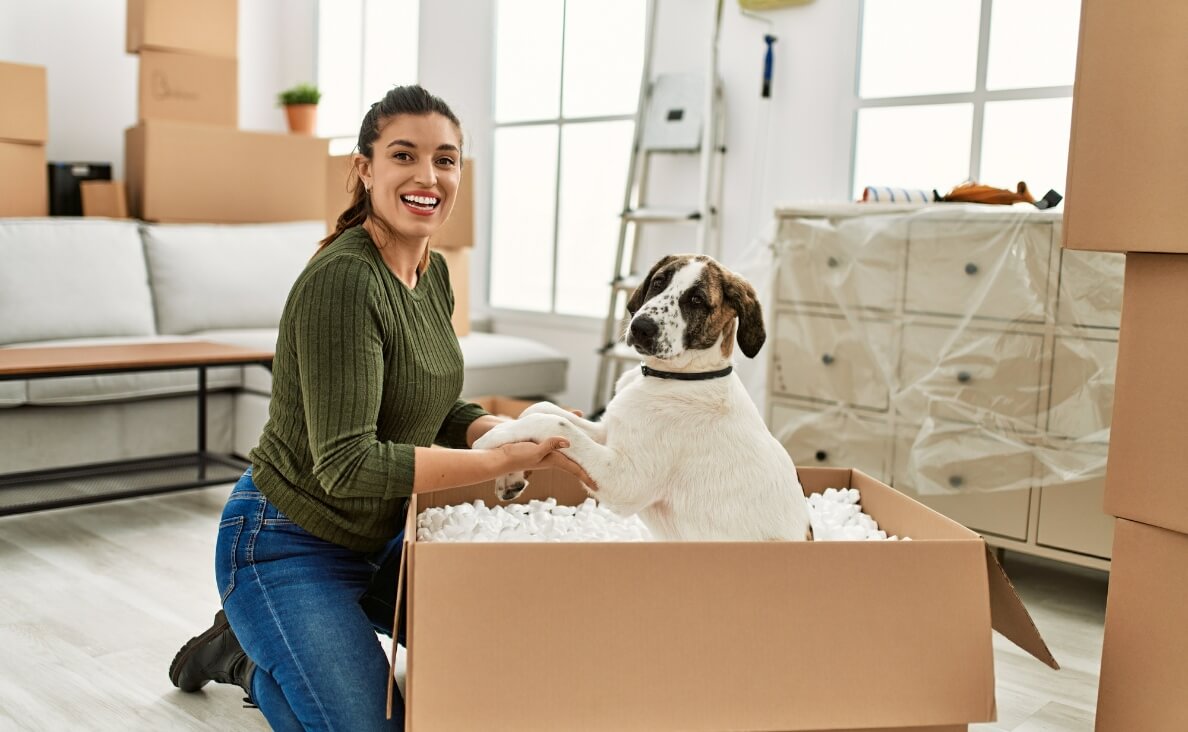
(946, 348)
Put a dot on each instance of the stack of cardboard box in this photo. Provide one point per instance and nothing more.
(23, 131)
(1127, 157)
(186, 160)
(454, 240)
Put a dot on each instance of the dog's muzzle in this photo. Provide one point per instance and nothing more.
(642, 335)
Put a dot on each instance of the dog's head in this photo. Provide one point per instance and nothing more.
(688, 302)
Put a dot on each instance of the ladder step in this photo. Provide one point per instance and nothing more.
(661, 214)
(628, 283)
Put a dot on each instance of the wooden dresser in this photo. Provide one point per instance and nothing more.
(956, 352)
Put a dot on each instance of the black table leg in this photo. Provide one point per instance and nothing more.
(201, 423)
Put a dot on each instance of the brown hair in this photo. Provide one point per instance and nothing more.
(412, 99)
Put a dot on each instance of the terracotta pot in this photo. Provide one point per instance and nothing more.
(303, 118)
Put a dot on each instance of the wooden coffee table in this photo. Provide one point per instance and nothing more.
(68, 486)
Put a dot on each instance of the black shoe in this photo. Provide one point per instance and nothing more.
(215, 655)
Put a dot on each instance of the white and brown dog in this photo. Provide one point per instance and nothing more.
(681, 443)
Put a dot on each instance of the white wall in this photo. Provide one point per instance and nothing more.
(92, 81)
(793, 146)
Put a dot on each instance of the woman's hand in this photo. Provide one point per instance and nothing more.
(529, 456)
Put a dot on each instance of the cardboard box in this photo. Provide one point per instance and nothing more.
(185, 172)
(338, 187)
(198, 26)
(104, 198)
(708, 636)
(1128, 150)
(24, 115)
(458, 261)
(24, 189)
(1147, 461)
(189, 88)
(502, 406)
(458, 230)
(1144, 658)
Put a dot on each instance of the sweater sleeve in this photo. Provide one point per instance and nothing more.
(453, 429)
(338, 335)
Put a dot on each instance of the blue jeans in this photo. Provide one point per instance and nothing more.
(307, 611)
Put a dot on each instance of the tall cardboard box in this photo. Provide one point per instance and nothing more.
(184, 172)
(1128, 146)
(339, 180)
(458, 262)
(1147, 464)
(665, 636)
(24, 128)
(458, 230)
(189, 88)
(198, 26)
(1143, 670)
(24, 115)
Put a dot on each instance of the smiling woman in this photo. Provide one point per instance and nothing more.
(367, 376)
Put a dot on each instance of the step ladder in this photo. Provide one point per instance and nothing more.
(678, 114)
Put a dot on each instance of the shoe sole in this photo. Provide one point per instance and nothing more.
(191, 646)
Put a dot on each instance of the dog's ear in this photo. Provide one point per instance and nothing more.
(641, 293)
(741, 296)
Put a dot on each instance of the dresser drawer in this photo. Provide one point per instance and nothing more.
(1091, 288)
(960, 374)
(833, 438)
(965, 460)
(984, 270)
(833, 358)
(848, 263)
(1071, 517)
(1082, 387)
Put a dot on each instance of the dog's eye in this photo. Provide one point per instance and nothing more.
(658, 284)
(696, 299)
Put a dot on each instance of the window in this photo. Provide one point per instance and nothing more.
(566, 86)
(365, 47)
(950, 90)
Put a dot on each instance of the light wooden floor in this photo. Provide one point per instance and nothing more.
(95, 600)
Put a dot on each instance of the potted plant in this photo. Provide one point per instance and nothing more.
(301, 107)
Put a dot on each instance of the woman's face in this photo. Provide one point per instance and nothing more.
(413, 174)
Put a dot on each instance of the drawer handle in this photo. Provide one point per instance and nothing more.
(971, 269)
(964, 377)
(827, 359)
(832, 262)
(956, 481)
(821, 456)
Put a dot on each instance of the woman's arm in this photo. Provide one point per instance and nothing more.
(438, 468)
(482, 426)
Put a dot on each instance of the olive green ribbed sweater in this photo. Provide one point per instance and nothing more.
(365, 370)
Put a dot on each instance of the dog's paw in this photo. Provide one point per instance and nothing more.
(509, 487)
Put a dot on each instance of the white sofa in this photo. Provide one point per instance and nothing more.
(72, 281)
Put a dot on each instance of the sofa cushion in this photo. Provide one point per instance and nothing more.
(495, 364)
(216, 276)
(72, 278)
(13, 393)
(122, 386)
(511, 366)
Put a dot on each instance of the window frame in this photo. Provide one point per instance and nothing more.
(560, 122)
(979, 97)
(340, 140)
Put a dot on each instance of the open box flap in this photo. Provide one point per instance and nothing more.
(410, 532)
(1009, 617)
